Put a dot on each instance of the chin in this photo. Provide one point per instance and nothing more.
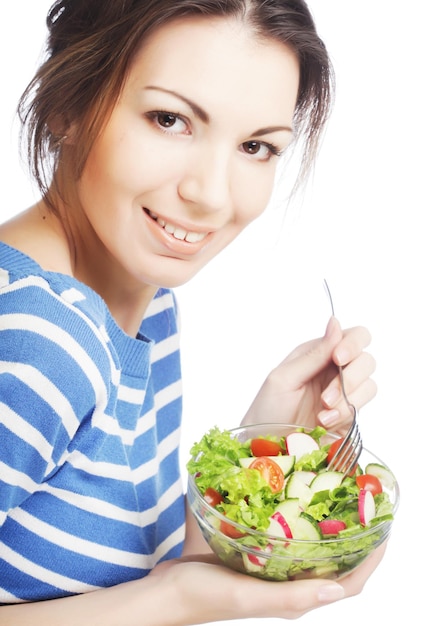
(170, 281)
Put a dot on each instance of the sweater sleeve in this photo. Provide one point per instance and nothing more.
(49, 350)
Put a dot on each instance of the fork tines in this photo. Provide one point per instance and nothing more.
(346, 456)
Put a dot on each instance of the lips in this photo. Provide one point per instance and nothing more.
(177, 231)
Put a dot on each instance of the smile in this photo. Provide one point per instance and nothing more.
(177, 231)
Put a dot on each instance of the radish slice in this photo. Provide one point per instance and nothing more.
(331, 526)
(299, 444)
(256, 560)
(279, 527)
(366, 506)
(254, 563)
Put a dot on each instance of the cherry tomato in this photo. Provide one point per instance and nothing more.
(212, 496)
(270, 471)
(333, 451)
(263, 447)
(370, 483)
(229, 530)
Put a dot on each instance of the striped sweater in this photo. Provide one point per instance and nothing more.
(90, 488)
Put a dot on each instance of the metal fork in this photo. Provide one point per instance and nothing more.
(347, 454)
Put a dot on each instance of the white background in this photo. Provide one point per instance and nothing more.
(368, 223)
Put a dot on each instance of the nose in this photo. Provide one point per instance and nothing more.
(206, 180)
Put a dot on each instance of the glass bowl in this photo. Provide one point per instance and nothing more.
(278, 558)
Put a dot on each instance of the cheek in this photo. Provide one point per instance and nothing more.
(253, 192)
(127, 162)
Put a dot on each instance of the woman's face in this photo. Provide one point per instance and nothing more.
(187, 159)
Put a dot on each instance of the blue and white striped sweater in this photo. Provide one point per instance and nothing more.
(90, 488)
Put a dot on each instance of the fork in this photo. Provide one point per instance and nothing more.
(347, 454)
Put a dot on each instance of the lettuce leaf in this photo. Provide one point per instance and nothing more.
(247, 497)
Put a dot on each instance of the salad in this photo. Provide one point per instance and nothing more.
(278, 513)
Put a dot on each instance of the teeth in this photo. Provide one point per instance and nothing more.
(194, 237)
(177, 232)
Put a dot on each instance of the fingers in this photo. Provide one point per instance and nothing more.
(358, 367)
(354, 341)
(306, 595)
(292, 600)
(355, 375)
(311, 358)
(340, 415)
(194, 578)
(306, 387)
(353, 583)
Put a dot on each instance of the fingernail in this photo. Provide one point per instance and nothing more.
(331, 592)
(330, 327)
(329, 418)
(342, 356)
(331, 396)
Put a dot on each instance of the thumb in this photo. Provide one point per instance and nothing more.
(333, 331)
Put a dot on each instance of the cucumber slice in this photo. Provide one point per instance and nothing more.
(246, 461)
(284, 461)
(326, 481)
(307, 528)
(296, 488)
(306, 476)
(290, 509)
(384, 475)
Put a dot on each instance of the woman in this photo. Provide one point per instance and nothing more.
(154, 130)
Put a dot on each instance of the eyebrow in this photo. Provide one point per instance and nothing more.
(205, 118)
(197, 110)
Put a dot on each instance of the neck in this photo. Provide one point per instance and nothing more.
(92, 264)
(126, 298)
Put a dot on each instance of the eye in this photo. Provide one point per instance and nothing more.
(262, 151)
(170, 123)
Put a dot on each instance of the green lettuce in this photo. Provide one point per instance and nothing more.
(247, 497)
(216, 453)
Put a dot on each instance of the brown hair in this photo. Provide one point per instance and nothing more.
(91, 45)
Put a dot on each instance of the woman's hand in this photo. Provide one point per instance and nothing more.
(195, 589)
(205, 591)
(305, 388)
